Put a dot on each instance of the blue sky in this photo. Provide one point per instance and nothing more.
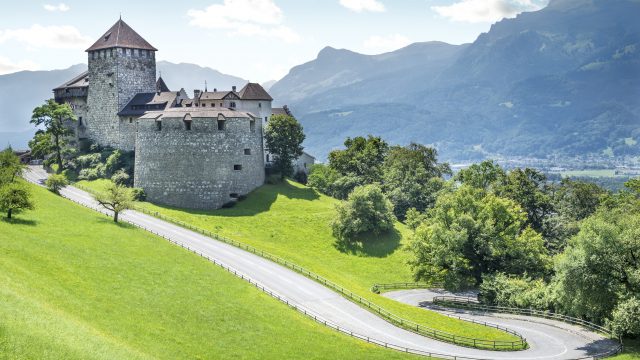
(258, 40)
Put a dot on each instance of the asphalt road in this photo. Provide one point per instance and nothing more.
(553, 342)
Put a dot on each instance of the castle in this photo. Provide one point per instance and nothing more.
(199, 152)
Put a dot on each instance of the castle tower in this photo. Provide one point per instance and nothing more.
(121, 64)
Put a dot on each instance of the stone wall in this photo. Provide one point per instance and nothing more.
(115, 76)
(195, 168)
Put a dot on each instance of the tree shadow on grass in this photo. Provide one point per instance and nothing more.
(19, 221)
(258, 201)
(370, 245)
(120, 223)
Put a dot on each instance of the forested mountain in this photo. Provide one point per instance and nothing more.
(561, 81)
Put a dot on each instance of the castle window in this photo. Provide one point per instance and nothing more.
(221, 125)
(247, 151)
(232, 104)
(80, 120)
(220, 104)
(237, 167)
(266, 119)
(187, 125)
(268, 158)
(130, 120)
(260, 105)
(252, 125)
(158, 125)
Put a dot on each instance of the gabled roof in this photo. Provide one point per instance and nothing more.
(79, 81)
(254, 91)
(121, 35)
(180, 113)
(218, 95)
(161, 86)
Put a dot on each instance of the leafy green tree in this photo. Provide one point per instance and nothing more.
(487, 175)
(633, 185)
(578, 199)
(470, 234)
(283, 138)
(116, 198)
(53, 117)
(528, 187)
(14, 197)
(321, 177)
(362, 158)
(601, 265)
(626, 318)
(41, 145)
(56, 182)
(367, 210)
(412, 177)
(10, 166)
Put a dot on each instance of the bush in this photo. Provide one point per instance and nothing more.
(88, 174)
(56, 182)
(366, 210)
(120, 177)
(138, 194)
(70, 175)
(273, 179)
(300, 176)
(503, 290)
(321, 177)
(89, 160)
(626, 318)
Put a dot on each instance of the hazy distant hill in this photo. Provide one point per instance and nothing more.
(22, 91)
(564, 80)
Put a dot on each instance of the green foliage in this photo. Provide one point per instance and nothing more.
(578, 199)
(283, 138)
(14, 198)
(41, 145)
(520, 292)
(414, 218)
(112, 163)
(601, 266)
(120, 177)
(56, 182)
(528, 187)
(54, 118)
(322, 178)
(138, 194)
(116, 198)
(10, 167)
(367, 210)
(626, 318)
(412, 177)
(633, 185)
(301, 177)
(470, 234)
(487, 175)
(362, 158)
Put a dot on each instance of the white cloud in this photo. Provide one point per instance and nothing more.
(7, 66)
(477, 11)
(363, 5)
(245, 17)
(60, 7)
(379, 44)
(38, 36)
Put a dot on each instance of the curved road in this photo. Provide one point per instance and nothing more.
(550, 342)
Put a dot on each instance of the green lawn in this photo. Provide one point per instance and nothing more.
(74, 285)
(631, 350)
(292, 222)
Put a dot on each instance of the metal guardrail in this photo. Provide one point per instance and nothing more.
(472, 304)
(405, 285)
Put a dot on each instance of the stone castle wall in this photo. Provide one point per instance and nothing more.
(115, 76)
(195, 168)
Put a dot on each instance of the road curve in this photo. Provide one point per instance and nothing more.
(551, 343)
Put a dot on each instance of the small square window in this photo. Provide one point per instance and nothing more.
(237, 167)
(221, 125)
(247, 151)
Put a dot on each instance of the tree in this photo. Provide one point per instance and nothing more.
(283, 138)
(10, 166)
(470, 234)
(601, 266)
(528, 187)
(412, 176)
(362, 159)
(14, 197)
(321, 177)
(41, 145)
(366, 210)
(116, 198)
(626, 318)
(53, 117)
(56, 182)
(487, 175)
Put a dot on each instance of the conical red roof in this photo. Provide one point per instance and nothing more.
(121, 35)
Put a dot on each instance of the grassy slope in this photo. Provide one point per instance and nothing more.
(73, 285)
(292, 221)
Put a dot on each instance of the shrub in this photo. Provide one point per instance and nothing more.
(89, 160)
(56, 182)
(120, 177)
(70, 175)
(503, 290)
(138, 194)
(321, 177)
(626, 318)
(112, 163)
(300, 176)
(366, 210)
(88, 174)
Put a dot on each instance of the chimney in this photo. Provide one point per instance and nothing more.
(196, 94)
(233, 88)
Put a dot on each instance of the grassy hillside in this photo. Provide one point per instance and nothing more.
(74, 285)
(292, 221)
